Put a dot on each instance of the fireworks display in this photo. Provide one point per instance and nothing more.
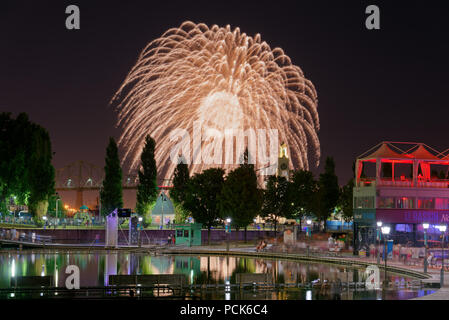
(222, 78)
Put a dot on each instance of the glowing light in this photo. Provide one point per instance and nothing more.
(222, 78)
(13, 268)
(308, 295)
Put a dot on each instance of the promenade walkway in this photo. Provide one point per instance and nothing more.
(432, 277)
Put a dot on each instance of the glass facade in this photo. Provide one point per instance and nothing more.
(406, 203)
(441, 203)
(426, 203)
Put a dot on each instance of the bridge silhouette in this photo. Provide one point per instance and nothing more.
(81, 176)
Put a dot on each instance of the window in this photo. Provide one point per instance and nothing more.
(186, 233)
(179, 233)
(426, 203)
(441, 203)
(404, 203)
(191, 233)
(364, 202)
(404, 227)
(385, 202)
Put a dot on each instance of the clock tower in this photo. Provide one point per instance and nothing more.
(283, 169)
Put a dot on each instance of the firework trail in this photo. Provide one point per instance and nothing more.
(222, 78)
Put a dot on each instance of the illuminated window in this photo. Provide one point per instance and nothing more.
(441, 203)
(404, 203)
(426, 203)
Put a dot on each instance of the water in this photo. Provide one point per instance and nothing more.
(95, 267)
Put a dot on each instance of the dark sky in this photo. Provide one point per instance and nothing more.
(388, 84)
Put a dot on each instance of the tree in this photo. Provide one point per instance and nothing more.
(41, 173)
(276, 199)
(329, 191)
(345, 201)
(25, 170)
(301, 191)
(178, 193)
(111, 194)
(202, 195)
(52, 206)
(240, 198)
(147, 188)
(13, 169)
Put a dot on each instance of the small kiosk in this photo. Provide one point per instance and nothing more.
(188, 234)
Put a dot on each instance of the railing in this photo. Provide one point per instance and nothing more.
(56, 222)
(434, 183)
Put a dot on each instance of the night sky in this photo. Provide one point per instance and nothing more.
(373, 85)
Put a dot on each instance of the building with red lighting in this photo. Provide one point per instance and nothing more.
(403, 185)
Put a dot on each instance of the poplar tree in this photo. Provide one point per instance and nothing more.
(179, 192)
(111, 193)
(147, 188)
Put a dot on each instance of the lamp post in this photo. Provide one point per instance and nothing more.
(379, 225)
(139, 228)
(57, 199)
(385, 232)
(228, 231)
(425, 227)
(442, 229)
(309, 222)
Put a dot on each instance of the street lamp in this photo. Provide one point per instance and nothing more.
(57, 199)
(140, 228)
(425, 227)
(228, 230)
(379, 225)
(442, 229)
(385, 232)
(309, 222)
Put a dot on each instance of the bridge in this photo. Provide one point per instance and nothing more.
(83, 176)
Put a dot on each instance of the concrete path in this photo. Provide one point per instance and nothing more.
(432, 274)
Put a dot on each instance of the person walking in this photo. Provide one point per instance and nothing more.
(169, 239)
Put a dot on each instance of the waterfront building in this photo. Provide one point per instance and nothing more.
(403, 185)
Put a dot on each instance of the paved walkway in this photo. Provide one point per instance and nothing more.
(433, 274)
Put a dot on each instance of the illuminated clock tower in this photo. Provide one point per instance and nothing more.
(283, 161)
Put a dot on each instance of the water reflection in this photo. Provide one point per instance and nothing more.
(96, 267)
